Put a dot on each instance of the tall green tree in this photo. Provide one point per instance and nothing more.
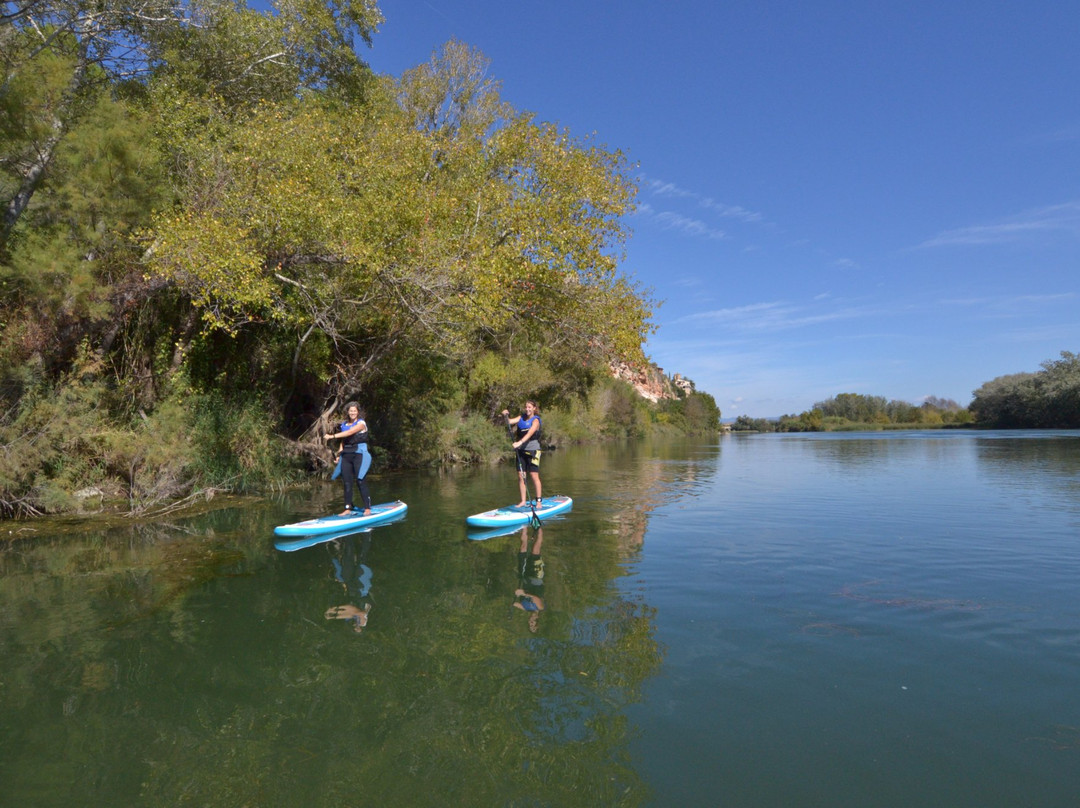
(72, 274)
(1048, 399)
(432, 217)
(214, 46)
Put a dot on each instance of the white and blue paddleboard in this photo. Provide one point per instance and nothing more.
(520, 514)
(484, 533)
(288, 544)
(380, 514)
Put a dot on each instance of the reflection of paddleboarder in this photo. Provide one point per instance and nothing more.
(350, 612)
(347, 561)
(530, 566)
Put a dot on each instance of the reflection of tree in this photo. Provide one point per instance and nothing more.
(1017, 462)
(446, 698)
(185, 667)
(78, 613)
(1026, 463)
(641, 476)
(859, 451)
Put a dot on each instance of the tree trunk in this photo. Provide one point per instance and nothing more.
(32, 177)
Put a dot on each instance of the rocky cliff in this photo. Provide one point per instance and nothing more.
(651, 382)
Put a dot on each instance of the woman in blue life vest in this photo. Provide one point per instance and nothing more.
(354, 456)
(527, 446)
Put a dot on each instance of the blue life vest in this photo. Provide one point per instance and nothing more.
(353, 442)
(523, 426)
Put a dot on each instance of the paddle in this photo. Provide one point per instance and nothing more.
(535, 521)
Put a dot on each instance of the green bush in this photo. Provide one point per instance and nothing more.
(472, 439)
(235, 446)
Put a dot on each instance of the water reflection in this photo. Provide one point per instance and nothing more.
(631, 480)
(1030, 464)
(347, 556)
(674, 641)
(529, 595)
(859, 450)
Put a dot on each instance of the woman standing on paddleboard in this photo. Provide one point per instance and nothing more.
(527, 447)
(354, 457)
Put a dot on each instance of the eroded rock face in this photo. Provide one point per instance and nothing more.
(650, 381)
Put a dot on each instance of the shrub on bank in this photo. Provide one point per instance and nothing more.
(57, 447)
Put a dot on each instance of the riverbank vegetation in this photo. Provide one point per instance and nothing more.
(217, 235)
(1046, 399)
(854, 412)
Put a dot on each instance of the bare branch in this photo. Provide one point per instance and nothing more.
(247, 70)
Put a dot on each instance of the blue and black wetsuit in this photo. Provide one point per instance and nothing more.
(354, 463)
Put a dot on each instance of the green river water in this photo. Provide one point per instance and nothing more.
(850, 620)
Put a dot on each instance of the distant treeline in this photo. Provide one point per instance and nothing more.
(853, 411)
(1046, 399)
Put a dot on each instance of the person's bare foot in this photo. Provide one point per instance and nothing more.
(367, 511)
(346, 512)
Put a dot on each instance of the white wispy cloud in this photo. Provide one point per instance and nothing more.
(998, 303)
(1059, 333)
(1052, 219)
(732, 211)
(669, 190)
(671, 220)
(777, 316)
(687, 281)
(753, 311)
(689, 226)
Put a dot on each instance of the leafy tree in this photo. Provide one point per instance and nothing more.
(941, 404)
(1060, 388)
(902, 412)
(229, 222)
(1049, 398)
(1005, 401)
(430, 218)
(217, 47)
(697, 412)
(853, 407)
(73, 275)
(744, 423)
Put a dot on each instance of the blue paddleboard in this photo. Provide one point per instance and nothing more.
(520, 514)
(381, 513)
(480, 534)
(288, 544)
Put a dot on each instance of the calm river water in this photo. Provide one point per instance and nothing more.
(765, 620)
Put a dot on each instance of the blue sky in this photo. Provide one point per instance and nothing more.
(835, 197)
